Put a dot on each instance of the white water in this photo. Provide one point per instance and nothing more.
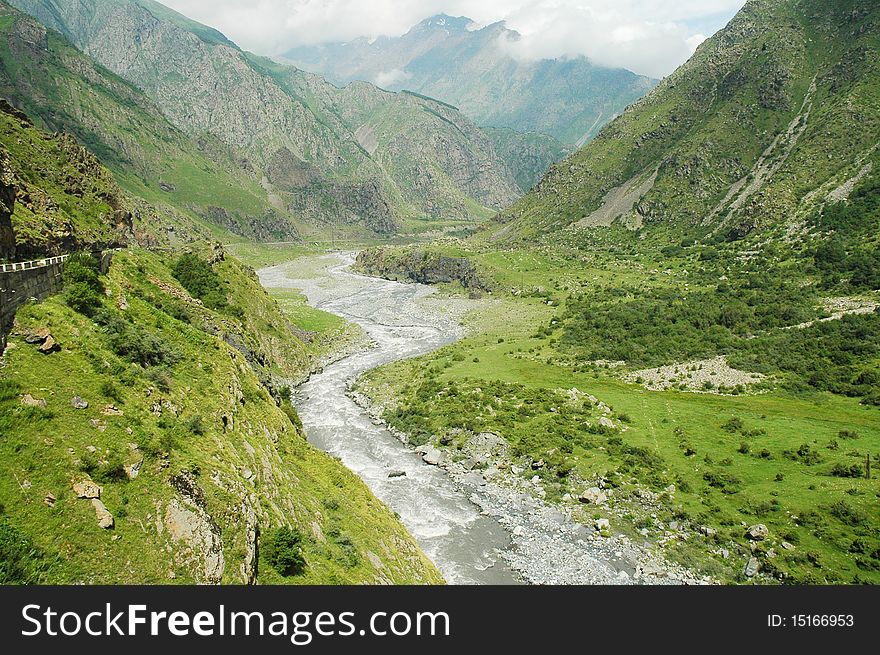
(450, 529)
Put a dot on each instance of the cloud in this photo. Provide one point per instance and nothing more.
(648, 36)
(387, 79)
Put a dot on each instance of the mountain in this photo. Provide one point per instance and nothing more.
(65, 91)
(448, 58)
(148, 435)
(773, 118)
(293, 133)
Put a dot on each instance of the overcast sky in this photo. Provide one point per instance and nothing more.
(651, 37)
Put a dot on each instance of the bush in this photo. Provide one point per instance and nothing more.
(844, 471)
(83, 290)
(283, 550)
(134, 343)
(197, 277)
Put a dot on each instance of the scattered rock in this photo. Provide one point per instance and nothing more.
(433, 456)
(79, 403)
(133, 470)
(758, 532)
(752, 567)
(102, 514)
(594, 496)
(49, 346)
(397, 474)
(29, 401)
(37, 336)
(86, 488)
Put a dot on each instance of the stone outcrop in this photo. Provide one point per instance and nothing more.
(420, 266)
(7, 206)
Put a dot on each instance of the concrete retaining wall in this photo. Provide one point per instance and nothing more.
(38, 279)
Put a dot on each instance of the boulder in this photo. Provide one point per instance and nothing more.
(37, 336)
(433, 456)
(102, 514)
(79, 403)
(397, 474)
(594, 496)
(752, 567)
(758, 532)
(29, 401)
(49, 346)
(86, 488)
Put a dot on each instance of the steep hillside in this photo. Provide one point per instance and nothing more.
(58, 198)
(774, 116)
(284, 125)
(146, 430)
(569, 99)
(528, 155)
(65, 91)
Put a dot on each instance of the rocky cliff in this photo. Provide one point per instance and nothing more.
(423, 266)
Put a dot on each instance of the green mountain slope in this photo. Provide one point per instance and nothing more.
(283, 125)
(65, 91)
(773, 116)
(152, 440)
(569, 99)
(529, 155)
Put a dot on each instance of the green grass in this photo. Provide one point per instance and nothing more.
(511, 376)
(204, 412)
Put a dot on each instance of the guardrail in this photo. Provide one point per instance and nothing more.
(34, 263)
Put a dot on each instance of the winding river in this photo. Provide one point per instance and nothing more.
(464, 544)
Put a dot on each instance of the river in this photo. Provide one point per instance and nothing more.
(464, 544)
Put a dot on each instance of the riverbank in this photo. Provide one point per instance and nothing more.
(540, 543)
(549, 546)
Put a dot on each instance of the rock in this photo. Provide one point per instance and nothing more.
(771, 554)
(594, 496)
(752, 567)
(787, 546)
(433, 456)
(86, 488)
(104, 517)
(29, 401)
(538, 465)
(603, 525)
(133, 470)
(79, 403)
(604, 421)
(111, 410)
(49, 346)
(397, 474)
(37, 336)
(758, 532)
(709, 532)
(193, 529)
(50, 499)
(724, 553)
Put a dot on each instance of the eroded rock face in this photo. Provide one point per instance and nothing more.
(7, 206)
(421, 266)
(198, 538)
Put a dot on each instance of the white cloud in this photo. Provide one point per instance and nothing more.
(386, 79)
(648, 36)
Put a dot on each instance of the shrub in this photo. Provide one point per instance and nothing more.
(283, 550)
(844, 471)
(197, 277)
(83, 290)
